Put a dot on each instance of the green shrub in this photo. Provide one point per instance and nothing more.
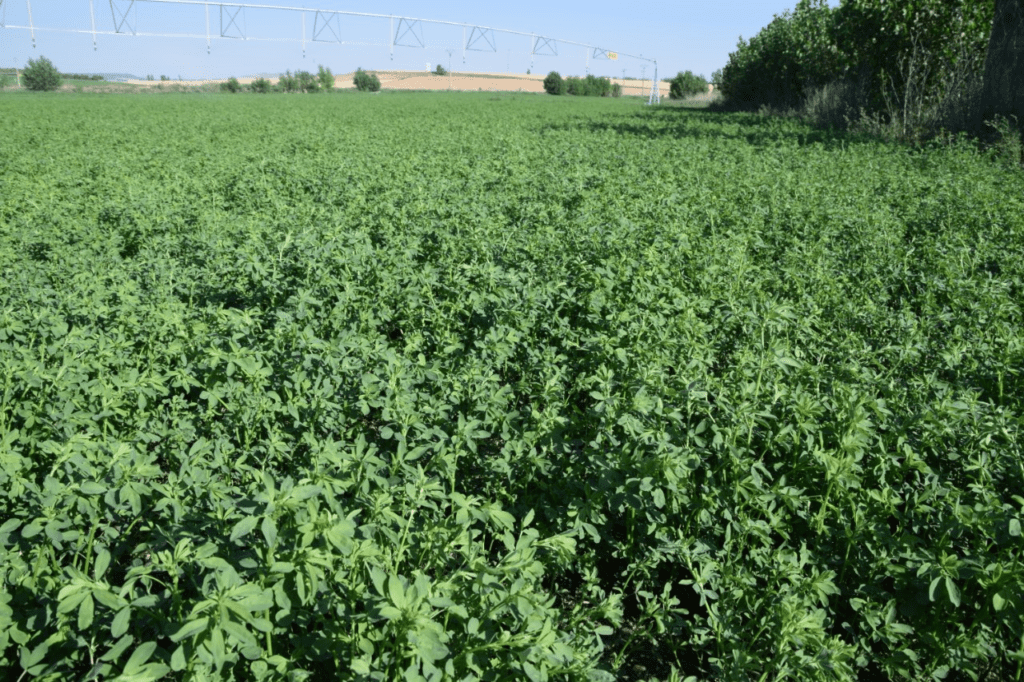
(231, 85)
(288, 82)
(260, 85)
(616, 90)
(366, 82)
(307, 81)
(554, 84)
(591, 86)
(441, 71)
(792, 54)
(1006, 144)
(687, 84)
(834, 104)
(325, 78)
(5, 81)
(41, 75)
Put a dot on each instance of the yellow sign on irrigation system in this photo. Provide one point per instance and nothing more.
(613, 55)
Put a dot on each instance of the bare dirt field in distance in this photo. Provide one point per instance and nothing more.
(422, 80)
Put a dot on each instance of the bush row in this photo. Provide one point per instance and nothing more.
(919, 68)
(81, 77)
(687, 84)
(591, 86)
(300, 81)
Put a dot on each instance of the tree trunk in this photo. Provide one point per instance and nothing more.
(1003, 90)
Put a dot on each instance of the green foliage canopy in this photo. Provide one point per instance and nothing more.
(554, 84)
(591, 86)
(41, 75)
(231, 85)
(686, 85)
(260, 85)
(366, 82)
(862, 40)
(325, 78)
(307, 82)
(288, 82)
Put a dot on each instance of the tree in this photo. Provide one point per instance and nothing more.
(553, 84)
(41, 75)
(687, 84)
(326, 78)
(591, 86)
(307, 81)
(907, 60)
(1002, 94)
(441, 71)
(231, 85)
(366, 82)
(915, 50)
(260, 85)
(288, 82)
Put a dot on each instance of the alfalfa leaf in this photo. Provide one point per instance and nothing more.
(193, 627)
(139, 658)
(396, 591)
(953, 591)
(243, 527)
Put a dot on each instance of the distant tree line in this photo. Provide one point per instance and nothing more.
(590, 86)
(300, 81)
(81, 77)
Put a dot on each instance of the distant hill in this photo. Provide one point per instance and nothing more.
(119, 77)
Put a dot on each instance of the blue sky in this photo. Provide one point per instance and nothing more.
(680, 34)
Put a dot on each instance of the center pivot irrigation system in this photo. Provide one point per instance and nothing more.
(229, 22)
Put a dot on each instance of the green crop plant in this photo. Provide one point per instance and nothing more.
(565, 390)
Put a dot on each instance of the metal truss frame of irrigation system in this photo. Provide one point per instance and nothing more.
(403, 31)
